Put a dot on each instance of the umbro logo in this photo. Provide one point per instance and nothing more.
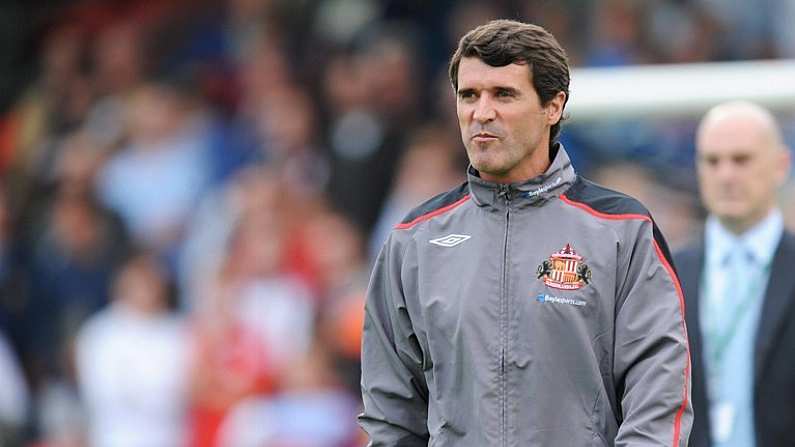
(451, 240)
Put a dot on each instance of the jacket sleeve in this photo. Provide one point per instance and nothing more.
(394, 390)
(651, 358)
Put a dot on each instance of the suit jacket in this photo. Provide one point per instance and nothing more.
(774, 349)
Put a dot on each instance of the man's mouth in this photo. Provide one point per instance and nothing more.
(484, 136)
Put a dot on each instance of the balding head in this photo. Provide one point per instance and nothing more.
(741, 163)
(740, 118)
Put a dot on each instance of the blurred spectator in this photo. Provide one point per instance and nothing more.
(262, 80)
(231, 363)
(155, 182)
(49, 108)
(274, 304)
(289, 123)
(72, 262)
(366, 130)
(132, 361)
(73, 246)
(252, 323)
(256, 189)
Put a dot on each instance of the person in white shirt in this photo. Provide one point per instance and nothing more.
(132, 361)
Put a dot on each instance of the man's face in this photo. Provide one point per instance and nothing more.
(503, 125)
(739, 170)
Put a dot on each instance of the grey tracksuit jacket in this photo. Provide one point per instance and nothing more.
(546, 313)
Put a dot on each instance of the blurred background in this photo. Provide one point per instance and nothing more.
(193, 191)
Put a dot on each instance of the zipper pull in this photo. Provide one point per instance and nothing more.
(508, 195)
(505, 192)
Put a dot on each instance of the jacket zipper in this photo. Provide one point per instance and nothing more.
(505, 192)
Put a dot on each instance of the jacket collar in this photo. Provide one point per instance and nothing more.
(533, 192)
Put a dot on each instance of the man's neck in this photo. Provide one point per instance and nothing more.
(738, 227)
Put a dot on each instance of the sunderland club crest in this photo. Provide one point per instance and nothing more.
(565, 270)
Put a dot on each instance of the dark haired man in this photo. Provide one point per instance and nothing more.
(528, 307)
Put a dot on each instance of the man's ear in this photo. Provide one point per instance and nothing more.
(554, 108)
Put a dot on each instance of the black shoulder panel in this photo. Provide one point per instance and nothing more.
(437, 202)
(607, 201)
(604, 200)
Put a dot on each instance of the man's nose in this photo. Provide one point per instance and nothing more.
(484, 110)
(725, 170)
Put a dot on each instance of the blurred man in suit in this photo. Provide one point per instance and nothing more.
(739, 285)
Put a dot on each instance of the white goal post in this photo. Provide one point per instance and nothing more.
(678, 90)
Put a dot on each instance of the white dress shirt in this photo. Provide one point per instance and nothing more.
(735, 277)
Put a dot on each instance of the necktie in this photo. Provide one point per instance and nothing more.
(730, 351)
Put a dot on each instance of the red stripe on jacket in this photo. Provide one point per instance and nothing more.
(434, 213)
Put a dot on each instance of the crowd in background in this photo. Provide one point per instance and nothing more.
(192, 193)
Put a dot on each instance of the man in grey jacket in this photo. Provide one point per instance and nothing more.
(529, 306)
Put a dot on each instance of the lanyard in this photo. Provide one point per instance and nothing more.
(718, 341)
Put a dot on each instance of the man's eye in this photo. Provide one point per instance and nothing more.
(709, 161)
(504, 94)
(741, 160)
(466, 95)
